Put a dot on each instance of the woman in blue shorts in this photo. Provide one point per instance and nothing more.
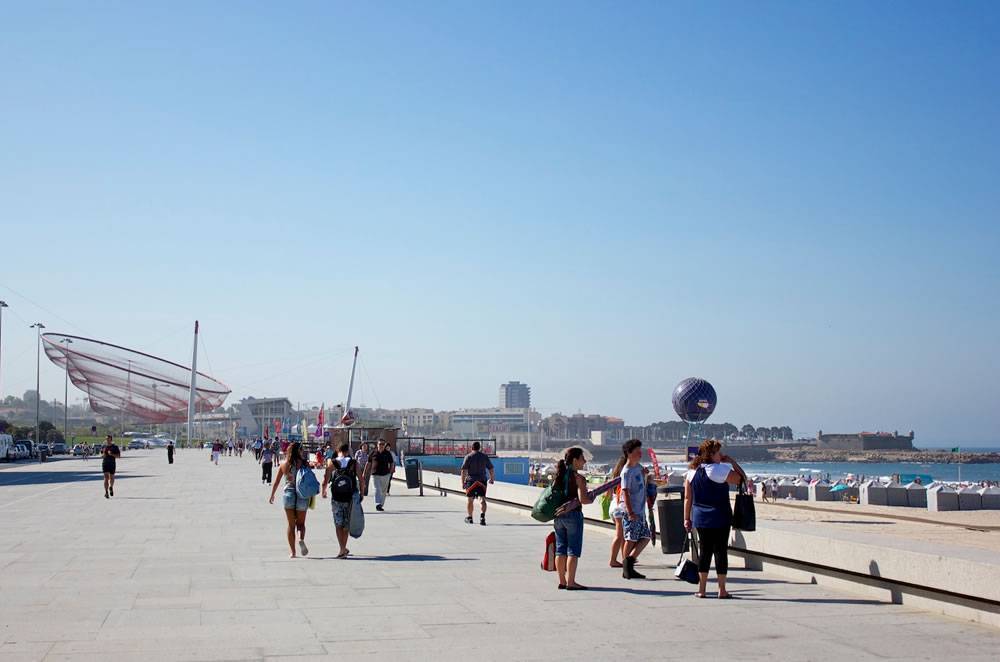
(569, 525)
(295, 506)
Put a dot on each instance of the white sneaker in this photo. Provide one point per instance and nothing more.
(303, 549)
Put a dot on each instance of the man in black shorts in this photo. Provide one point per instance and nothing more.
(109, 457)
(475, 468)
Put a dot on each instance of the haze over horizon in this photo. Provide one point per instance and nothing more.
(797, 202)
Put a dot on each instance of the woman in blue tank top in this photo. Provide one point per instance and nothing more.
(707, 509)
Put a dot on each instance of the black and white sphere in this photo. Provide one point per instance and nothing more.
(694, 400)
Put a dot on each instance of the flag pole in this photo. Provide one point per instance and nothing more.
(959, 464)
(194, 383)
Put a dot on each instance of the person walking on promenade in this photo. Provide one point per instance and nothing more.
(266, 463)
(569, 525)
(294, 505)
(395, 463)
(109, 463)
(344, 478)
(361, 457)
(633, 500)
(258, 448)
(216, 451)
(477, 469)
(707, 509)
(170, 452)
(616, 512)
(383, 468)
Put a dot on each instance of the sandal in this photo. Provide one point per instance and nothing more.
(727, 596)
(576, 587)
(699, 595)
(561, 586)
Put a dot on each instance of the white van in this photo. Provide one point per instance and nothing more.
(7, 453)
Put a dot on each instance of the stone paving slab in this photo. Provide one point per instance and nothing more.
(189, 562)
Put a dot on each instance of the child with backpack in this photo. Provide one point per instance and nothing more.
(346, 482)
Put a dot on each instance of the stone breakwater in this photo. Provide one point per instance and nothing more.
(806, 454)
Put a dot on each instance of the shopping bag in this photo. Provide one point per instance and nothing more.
(356, 525)
(744, 515)
(549, 557)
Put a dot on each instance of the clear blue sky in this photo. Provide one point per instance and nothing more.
(797, 201)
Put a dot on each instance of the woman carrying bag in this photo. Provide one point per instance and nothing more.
(707, 509)
(568, 524)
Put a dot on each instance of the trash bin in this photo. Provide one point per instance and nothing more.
(412, 473)
(670, 513)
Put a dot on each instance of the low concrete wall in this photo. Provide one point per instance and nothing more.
(920, 576)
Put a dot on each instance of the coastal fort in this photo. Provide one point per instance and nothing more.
(865, 441)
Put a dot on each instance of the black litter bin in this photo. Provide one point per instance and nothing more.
(670, 513)
(412, 473)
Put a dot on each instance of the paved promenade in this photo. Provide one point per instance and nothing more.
(189, 562)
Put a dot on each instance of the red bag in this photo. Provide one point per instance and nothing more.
(549, 558)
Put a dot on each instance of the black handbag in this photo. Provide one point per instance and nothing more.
(686, 568)
(744, 515)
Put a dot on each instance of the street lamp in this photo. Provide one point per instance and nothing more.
(38, 326)
(66, 342)
(3, 304)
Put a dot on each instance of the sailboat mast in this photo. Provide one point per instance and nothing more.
(350, 389)
(194, 383)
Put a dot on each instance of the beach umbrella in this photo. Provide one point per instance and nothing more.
(838, 488)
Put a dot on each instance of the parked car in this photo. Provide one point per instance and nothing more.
(22, 451)
(80, 449)
(136, 444)
(42, 448)
(59, 448)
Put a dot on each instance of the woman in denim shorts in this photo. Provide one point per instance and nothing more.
(295, 506)
(569, 525)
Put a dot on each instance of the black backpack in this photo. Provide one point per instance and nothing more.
(342, 487)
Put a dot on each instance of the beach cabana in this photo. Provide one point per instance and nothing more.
(785, 488)
(800, 490)
(895, 494)
(873, 494)
(990, 497)
(941, 498)
(916, 495)
(969, 498)
(820, 491)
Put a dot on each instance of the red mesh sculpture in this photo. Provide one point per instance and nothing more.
(119, 379)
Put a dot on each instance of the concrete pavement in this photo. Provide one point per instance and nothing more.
(189, 562)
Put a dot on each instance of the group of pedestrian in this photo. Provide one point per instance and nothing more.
(346, 480)
(707, 512)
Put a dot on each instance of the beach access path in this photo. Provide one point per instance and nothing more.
(189, 562)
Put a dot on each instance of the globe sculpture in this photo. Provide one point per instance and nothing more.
(694, 400)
